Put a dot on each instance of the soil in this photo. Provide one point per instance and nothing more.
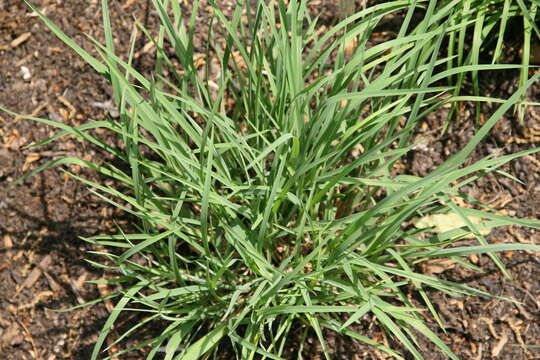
(42, 258)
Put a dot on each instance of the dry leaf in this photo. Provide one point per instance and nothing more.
(444, 222)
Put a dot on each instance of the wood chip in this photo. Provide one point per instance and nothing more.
(437, 266)
(146, 48)
(14, 141)
(479, 353)
(238, 59)
(522, 311)
(31, 158)
(35, 274)
(8, 243)
(491, 328)
(516, 234)
(103, 292)
(12, 335)
(71, 108)
(52, 283)
(36, 300)
(34, 112)
(76, 286)
(533, 160)
(31, 338)
(21, 39)
(128, 4)
(30, 280)
(65, 115)
(497, 349)
(515, 326)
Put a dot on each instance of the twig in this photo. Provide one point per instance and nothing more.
(34, 348)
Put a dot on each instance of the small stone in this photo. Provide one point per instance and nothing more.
(26, 73)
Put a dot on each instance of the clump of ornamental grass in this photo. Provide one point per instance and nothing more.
(265, 190)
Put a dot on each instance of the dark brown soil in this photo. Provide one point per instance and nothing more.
(42, 265)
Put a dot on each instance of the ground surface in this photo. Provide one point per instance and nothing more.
(42, 263)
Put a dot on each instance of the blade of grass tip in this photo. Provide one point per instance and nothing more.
(424, 330)
(496, 259)
(463, 10)
(272, 195)
(174, 35)
(417, 53)
(233, 34)
(475, 58)
(251, 340)
(503, 20)
(72, 161)
(149, 241)
(173, 262)
(113, 316)
(76, 129)
(419, 288)
(504, 220)
(207, 184)
(334, 325)
(460, 157)
(480, 249)
(130, 331)
(91, 302)
(526, 53)
(133, 42)
(529, 14)
(315, 324)
(420, 97)
(395, 330)
(364, 309)
(254, 349)
(204, 344)
(466, 8)
(471, 68)
(110, 45)
(451, 49)
(73, 130)
(161, 57)
(175, 340)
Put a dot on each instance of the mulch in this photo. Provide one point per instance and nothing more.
(42, 258)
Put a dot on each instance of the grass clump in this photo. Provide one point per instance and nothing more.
(265, 190)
